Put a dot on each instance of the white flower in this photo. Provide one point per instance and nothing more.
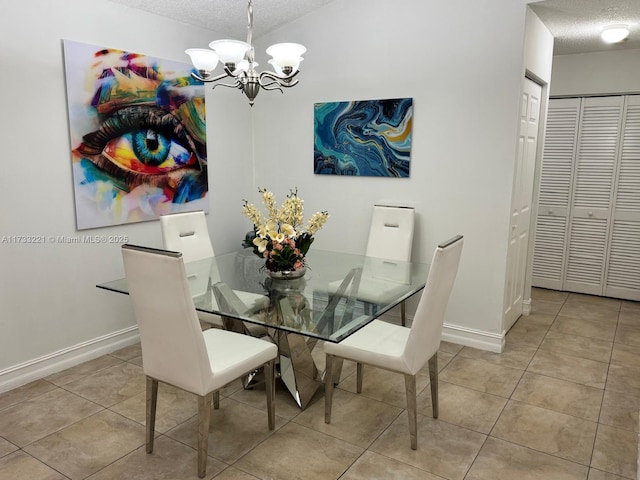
(261, 243)
(316, 222)
(263, 231)
(288, 230)
(281, 225)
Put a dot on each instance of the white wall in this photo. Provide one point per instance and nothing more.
(538, 49)
(466, 96)
(538, 63)
(50, 308)
(597, 73)
(465, 85)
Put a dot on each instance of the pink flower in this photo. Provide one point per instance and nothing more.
(298, 265)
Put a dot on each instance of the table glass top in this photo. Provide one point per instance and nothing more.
(338, 294)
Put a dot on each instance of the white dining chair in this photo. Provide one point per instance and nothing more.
(187, 232)
(391, 238)
(389, 246)
(401, 349)
(175, 350)
(391, 233)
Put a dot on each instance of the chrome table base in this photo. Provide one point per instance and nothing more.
(298, 370)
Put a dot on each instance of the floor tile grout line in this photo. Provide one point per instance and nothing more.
(102, 408)
(511, 399)
(525, 370)
(606, 382)
(44, 463)
(29, 398)
(546, 333)
(371, 444)
(84, 376)
(598, 423)
(505, 405)
(489, 435)
(539, 452)
(486, 435)
(130, 452)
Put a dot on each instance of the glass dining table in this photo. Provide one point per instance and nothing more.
(296, 313)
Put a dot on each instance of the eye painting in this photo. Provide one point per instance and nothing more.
(138, 141)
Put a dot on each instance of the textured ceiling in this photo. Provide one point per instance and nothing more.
(229, 16)
(575, 24)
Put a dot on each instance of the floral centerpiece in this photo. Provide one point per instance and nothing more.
(280, 236)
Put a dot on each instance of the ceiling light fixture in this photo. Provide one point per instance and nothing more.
(238, 62)
(615, 33)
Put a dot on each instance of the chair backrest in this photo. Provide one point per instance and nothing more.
(187, 233)
(426, 328)
(391, 233)
(173, 347)
(395, 271)
(200, 278)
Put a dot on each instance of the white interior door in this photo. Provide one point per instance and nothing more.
(521, 202)
(554, 198)
(622, 278)
(588, 220)
(592, 203)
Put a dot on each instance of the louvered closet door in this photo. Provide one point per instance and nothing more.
(623, 269)
(595, 169)
(555, 192)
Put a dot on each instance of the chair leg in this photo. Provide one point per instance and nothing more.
(204, 420)
(337, 370)
(410, 387)
(216, 400)
(359, 373)
(433, 377)
(270, 380)
(328, 388)
(152, 402)
(403, 313)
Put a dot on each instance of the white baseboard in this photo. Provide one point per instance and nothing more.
(470, 337)
(41, 367)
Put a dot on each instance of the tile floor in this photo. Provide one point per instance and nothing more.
(560, 403)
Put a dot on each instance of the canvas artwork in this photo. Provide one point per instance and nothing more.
(138, 141)
(363, 138)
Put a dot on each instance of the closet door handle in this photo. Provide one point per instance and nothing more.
(590, 214)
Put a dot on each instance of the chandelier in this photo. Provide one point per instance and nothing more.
(237, 59)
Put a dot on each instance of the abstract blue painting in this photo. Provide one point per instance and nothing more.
(369, 138)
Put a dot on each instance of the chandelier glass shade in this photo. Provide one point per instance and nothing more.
(237, 59)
